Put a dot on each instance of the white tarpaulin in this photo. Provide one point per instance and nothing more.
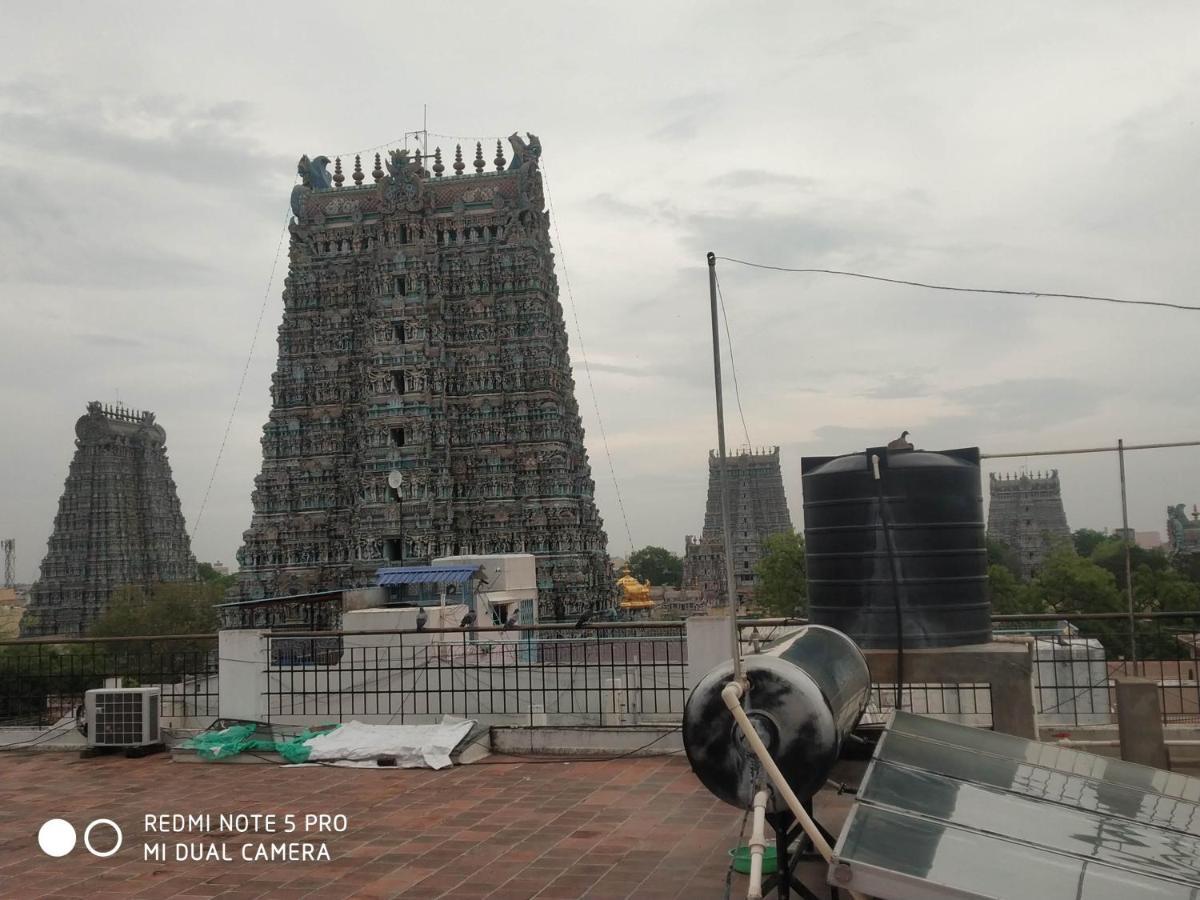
(411, 746)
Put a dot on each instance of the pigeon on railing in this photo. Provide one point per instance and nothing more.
(468, 620)
(510, 622)
(583, 620)
(422, 619)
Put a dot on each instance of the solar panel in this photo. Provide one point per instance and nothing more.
(945, 810)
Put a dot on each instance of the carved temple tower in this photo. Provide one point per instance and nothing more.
(423, 404)
(118, 523)
(758, 507)
(1026, 512)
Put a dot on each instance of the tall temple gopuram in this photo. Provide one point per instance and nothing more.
(118, 523)
(758, 508)
(1026, 512)
(423, 403)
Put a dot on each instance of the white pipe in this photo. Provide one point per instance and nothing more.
(732, 695)
(758, 843)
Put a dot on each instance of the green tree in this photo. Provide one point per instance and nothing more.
(1087, 539)
(783, 575)
(1009, 596)
(208, 574)
(999, 553)
(1110, 556)
(174, 608)
(659, 565)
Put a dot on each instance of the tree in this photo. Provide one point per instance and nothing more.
(163, 609)
(1110, 556)
(658, 565)
(208, 574)
(1000, 553)
(1009, 596)
(1087, 539)
(783, 575)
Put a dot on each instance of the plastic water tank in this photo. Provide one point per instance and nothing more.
(932, 506)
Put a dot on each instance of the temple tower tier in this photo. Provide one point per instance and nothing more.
(119, 523)
(423, 404)
(758, 508)
(1026, 513)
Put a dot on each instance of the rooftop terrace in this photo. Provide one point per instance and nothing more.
(641, 828)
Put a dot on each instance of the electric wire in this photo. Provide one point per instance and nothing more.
(583, 353)
(262, 309)
(964, 290)
(737, 393)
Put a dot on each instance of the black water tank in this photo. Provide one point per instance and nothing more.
(933, 509)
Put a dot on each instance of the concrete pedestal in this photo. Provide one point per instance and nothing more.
(1006, 667)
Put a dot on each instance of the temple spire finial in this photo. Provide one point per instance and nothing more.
(338, 177)
(479, 163)
(499, 160)
(358, 172)
(377, 172)
(459, 165)
(438, 168)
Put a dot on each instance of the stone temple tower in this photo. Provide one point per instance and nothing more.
(423, 403)
(1026, 512)
(118, 523)
(759, 509)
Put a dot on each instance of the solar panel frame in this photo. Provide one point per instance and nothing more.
(966, 856)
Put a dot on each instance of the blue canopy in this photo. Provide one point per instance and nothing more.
(427, 574)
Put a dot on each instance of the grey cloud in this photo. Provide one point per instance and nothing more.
(752, 178)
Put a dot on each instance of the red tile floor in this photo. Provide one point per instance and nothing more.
(641, 828)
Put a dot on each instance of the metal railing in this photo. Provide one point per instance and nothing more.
(610, 674)
(1077, 660)
(43, 680)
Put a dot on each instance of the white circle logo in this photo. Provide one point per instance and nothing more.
(56, 837)
(87, 838)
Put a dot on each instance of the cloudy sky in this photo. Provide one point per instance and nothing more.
(147, 152)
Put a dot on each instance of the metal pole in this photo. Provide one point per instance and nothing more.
(1088, 450)
(1125, 534)
(722, 470)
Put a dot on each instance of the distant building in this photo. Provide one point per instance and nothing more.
(1147, 540)
(1183, 535)
(758, 508)
(1026, 512)
(119, 523)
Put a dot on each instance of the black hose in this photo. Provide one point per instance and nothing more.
(894, 569)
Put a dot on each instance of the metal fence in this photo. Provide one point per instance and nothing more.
(44, 680)
(1078, 658)
(606, 675)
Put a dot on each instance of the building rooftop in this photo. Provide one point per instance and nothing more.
(641, 828)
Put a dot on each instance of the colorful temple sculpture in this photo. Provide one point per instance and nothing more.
(635, 597)
(423, 403)
(118, 523)
(1026, 513)
(1183, 535)
(758, 508)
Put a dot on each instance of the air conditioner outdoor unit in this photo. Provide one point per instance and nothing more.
(122, 717)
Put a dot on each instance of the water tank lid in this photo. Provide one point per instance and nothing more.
(893, 459)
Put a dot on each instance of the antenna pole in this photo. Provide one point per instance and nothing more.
(722, 474)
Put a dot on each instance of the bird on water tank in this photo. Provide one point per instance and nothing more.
(900, 443)
(422, 619)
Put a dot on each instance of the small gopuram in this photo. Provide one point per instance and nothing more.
(758, 508)
(118, 523)
(423, 403)
(1026, 512)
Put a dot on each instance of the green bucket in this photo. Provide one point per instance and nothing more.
(741, 860)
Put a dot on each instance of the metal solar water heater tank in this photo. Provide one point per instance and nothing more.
(804, 696)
